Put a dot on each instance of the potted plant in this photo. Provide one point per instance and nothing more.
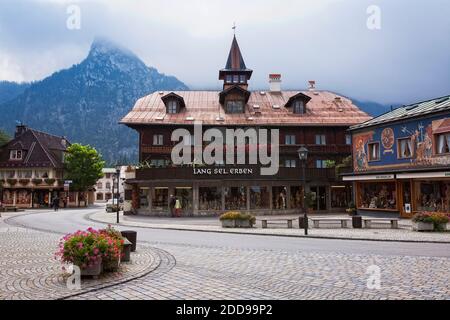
(236, 219)
(440, 221)
(83, 249)
(37, 181)
(11, 182)
(422, 221)
(310, 197)
(24, 182)
(113, 252)
(351, 210)
(50, 181)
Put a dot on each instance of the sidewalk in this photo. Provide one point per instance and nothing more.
(404, 233)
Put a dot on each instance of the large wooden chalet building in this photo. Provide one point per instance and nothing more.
(317, 119)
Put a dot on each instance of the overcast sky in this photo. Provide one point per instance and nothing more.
(408, 59)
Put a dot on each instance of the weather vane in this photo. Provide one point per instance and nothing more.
(234, 28)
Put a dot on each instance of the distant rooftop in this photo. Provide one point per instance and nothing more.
(408, 111)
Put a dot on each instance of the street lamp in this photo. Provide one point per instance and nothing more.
(118, 190)
(303, 156)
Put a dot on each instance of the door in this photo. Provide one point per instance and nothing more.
(319, 198)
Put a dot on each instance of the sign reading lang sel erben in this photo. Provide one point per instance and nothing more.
(222, 171)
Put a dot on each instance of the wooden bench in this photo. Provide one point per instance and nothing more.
(342, 221)
(392, 221)
(264, 222)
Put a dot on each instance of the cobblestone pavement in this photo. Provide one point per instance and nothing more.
(28, 269)
(379, 232)
(229, 266)
(203, 272)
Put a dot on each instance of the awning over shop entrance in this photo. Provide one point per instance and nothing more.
(424, 175)
(369, 177)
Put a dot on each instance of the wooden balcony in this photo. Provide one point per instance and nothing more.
(284, 149)
(250, 172)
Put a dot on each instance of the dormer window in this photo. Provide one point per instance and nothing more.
(172, 106)
(235, 106)
(299, 106)
(173, 102)
(15, 155)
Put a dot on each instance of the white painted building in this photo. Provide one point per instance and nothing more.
(104, 186)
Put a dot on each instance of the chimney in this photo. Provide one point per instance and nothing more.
(275, 82)
(312, 85)
(20, 129)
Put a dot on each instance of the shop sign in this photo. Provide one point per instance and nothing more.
(222, 171)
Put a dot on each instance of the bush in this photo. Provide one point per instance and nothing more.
(237, 215)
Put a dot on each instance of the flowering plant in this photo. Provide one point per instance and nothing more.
(436, 218)
(82, 248)
(115, 242)
(89, 248)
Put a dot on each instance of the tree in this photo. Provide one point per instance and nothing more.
(4, 138)
(83, 165)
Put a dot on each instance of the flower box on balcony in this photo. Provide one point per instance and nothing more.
(37, 181)
(50, 181)
(11, 181)
(24, 182)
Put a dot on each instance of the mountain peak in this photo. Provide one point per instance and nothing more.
(105, 46)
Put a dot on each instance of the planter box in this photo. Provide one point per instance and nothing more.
(228, 223)
(111, 266)
(94, 271)
(236, 223)
(243, 224)
(423, 226)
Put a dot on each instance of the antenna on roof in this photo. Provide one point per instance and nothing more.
(392, 107)
(234, 28)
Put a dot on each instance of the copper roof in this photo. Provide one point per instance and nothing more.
(263, 108)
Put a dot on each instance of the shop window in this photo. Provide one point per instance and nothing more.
(184, 195)
(259, 198)
(108, 196)
(404, 148)
(339, 197)
(289, 139)
(158, 139)
(279, 198)
(374, 151)
(235, 198)
(433, 196)
(210, 198)
(296, 197)
(144, 198)
(378, 195)
(443, 143)
(160, 199)
(99, 196)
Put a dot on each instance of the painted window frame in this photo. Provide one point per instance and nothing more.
(369, 159)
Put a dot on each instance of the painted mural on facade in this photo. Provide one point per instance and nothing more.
(409, 144)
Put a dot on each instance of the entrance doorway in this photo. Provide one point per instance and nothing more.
(319, 198)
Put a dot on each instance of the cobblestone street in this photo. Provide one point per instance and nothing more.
(174, 269)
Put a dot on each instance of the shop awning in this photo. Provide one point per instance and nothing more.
(369, 177)
(424, 175)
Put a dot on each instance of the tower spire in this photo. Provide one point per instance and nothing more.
(235, 71)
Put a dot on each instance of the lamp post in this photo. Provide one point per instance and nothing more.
(118, 190)
(303, 156)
